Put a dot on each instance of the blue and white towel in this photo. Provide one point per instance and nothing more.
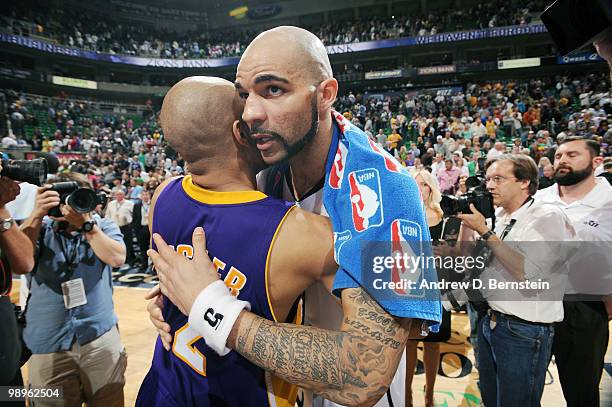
(376, 211)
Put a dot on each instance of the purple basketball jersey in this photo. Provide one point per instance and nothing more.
(240, 230)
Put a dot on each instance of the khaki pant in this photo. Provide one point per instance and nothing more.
(92, 373)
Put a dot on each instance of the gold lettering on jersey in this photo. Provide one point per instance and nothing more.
(235, 280)
(219, 265)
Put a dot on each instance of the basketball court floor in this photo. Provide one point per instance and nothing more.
(456, 383)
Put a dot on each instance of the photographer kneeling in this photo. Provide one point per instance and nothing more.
(515, 335)
(71, 326)
(18, 258)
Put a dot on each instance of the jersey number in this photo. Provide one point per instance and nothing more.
(183, 346)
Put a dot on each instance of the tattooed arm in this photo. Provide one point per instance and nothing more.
(351, 366)
(354, 366)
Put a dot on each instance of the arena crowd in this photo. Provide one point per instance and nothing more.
(79, 29)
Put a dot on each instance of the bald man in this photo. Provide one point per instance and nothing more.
(267, 252)
(368, 196)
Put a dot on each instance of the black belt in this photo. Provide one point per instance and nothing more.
(492, 312)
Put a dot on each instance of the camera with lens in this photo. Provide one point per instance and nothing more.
(31, 171)
(476, 194)
(82, 200)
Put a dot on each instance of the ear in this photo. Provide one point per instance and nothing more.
(329, 91)
(597, 161)
(240, 131)
(525, 184)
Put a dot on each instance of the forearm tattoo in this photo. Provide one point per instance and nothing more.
(355, 364)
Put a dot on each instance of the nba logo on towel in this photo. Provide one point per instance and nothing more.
(366, 199)
(337, 169)
(390, 163)
(405, 237)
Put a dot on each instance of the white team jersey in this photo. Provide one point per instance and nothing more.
(321, 309)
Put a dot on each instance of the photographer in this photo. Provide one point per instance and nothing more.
(517, 331)
(71, 327)
(18, 258)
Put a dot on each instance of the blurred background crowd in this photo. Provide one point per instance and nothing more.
(89, 31)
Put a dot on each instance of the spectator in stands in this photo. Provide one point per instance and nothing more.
(498, 149)
(418, 165)
(473, 164)
(530, 139)
(462, 189)
(516, 147)
(448, 178)
(440, 147)
(547, 178)
(393, 141)
(544, 161)
(427, 158)
(135, 189)
(478, 130)
(460, 164)
(491, 127)
(102, 34)
(437, 165)
(449, 144)
(140, 226)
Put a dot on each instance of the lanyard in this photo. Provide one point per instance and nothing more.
(72, 256)
(508, 228)
(510, 225)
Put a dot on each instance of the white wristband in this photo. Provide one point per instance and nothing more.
(214, 313)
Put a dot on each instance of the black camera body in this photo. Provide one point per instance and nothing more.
(477, 194)
(82, 200)
(574, 23)
(31, 171)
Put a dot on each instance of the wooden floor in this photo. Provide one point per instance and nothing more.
(459, 388)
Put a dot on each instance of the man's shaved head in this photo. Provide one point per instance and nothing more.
(294, 47)
(197, 116)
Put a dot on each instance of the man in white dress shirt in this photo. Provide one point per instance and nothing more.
(120, 210)
(515, 336)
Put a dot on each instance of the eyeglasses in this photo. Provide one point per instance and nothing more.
(497, 179)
